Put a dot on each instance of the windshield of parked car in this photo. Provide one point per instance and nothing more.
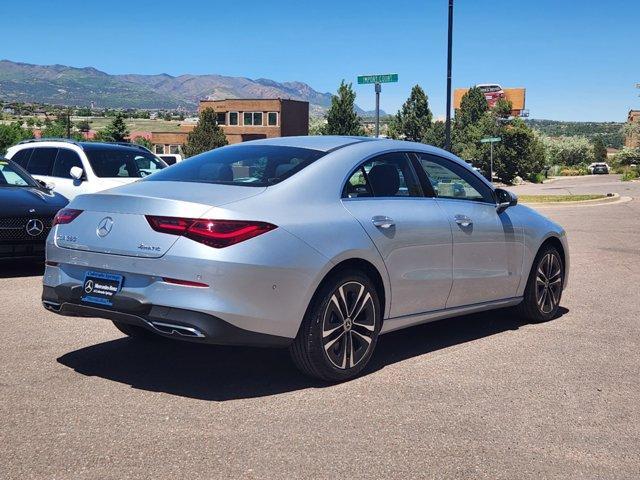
(122, 162)
(247, 165)
(12, 176)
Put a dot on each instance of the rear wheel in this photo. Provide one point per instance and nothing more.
(133, 331)
(340, 329)
(544, 287)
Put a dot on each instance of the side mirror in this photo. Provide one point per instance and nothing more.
(76, 173)
(45, 185)
(504, 199)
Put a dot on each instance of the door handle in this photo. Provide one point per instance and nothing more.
(383, 221)
(463, 220)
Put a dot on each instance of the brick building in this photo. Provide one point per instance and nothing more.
(633, 141)
(244, 119)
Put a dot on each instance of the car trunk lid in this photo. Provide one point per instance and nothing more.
(114, 222)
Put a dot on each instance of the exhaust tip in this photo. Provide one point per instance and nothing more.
(172, 329)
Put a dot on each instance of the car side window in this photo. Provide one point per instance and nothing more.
(449, 180)
(22, 157)
(65, 160)
(41, 161)
(387, 175)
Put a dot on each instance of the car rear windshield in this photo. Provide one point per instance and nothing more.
(112, 162)
(247, 165)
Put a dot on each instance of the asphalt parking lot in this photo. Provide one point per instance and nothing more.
(480, 396)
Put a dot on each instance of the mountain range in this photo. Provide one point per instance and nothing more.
(64, 85)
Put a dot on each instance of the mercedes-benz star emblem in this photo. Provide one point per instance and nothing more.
(88, 286)
(104, 227)
(34, 227)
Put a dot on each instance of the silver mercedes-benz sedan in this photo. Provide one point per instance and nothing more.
(318, 244)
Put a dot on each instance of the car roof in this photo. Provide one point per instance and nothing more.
(323, 143)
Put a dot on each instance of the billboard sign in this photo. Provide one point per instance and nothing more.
(492, 92)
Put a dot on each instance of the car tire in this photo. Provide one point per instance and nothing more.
(340, 329)
(133, 331)
(543, 292)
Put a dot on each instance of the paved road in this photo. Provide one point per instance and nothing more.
(481, 396)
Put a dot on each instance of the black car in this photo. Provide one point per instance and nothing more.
(27, 208)
(600, 168)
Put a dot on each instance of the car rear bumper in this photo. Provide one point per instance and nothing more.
(171, 322)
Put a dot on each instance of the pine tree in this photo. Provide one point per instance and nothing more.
(472, 107)
(206, 136)
(116, 131)
(599, 150)
(341, 117)
(413, 121)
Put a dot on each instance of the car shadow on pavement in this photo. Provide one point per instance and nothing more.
(21, 268)
(217, 373)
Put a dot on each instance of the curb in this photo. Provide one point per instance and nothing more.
(613, 199)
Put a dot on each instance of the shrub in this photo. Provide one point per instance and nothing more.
(568, 151)
(629, 174)
(627, 156)
(537, 178)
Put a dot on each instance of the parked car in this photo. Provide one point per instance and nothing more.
(170, 158)
(27, 208)
(73, 168)
(599, 168)
(318, 244)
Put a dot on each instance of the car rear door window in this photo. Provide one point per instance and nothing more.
(387, 175)
(22, 157)
(65, 160)
(450, 180)
(41, 161)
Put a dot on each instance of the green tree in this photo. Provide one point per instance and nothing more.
(11, 134)
(413, 120)
(341, 117)
(83, 126)
(569, 151)
(503, 108)
(520, 153)
(116, 131)
(473, 106)
(140, 140)
(206, 135)
(435, 135)
(599, 150)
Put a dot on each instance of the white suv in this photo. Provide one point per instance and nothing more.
(72, 168)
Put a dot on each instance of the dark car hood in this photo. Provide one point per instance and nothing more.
(20, 200)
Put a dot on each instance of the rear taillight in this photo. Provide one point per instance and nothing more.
(66, 215)
(214, 233)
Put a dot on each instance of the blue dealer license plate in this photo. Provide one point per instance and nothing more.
(100, 288)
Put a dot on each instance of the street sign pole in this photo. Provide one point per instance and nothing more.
(377, 81)
(490, 141)
(378, 88)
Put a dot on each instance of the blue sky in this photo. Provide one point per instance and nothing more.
(579, 60)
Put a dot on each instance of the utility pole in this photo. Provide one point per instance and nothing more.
(378, 88)
(447, 127)
(68, 123)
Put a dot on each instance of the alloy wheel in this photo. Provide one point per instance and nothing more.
(348, 325)
(548, 285)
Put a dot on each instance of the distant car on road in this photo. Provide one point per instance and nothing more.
(73, 168)
(170, 158)
(599, 168)
(27, 208)
(319, 244)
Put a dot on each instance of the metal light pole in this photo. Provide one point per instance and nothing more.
(378, 88)
(447, 127)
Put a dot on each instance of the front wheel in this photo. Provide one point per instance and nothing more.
(340, 329)
(544, 287)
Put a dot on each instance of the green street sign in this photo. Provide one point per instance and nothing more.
(387, 78)
(490, 140)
